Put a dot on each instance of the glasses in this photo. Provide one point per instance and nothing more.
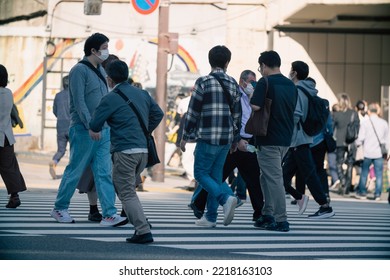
(260, 68)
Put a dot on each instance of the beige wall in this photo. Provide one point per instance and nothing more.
(357, 64)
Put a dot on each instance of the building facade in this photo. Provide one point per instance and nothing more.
(345, 43)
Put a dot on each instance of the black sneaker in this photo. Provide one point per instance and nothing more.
(140, 239)
(279, 226)
(95, 217)
(13, 202)
(256, 216)
(323, 213)
(264, 221)
(197, 213)
(293, 202)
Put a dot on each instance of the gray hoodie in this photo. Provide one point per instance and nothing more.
(299, 136)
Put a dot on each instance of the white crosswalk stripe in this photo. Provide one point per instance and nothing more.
(359, 230)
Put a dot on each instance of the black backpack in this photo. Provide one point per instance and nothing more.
(317, 114)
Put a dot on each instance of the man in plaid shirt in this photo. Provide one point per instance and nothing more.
(214, 118)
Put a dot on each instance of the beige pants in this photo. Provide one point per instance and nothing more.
(126, 168)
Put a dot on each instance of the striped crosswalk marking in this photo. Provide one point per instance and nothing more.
(357, 231)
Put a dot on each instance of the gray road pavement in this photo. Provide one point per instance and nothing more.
(360, 229)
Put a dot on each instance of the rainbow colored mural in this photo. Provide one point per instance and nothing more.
(184, 56)
(36, 77)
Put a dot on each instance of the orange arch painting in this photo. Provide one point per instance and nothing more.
(184, 56)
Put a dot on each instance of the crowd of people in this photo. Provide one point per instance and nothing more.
(101, 114)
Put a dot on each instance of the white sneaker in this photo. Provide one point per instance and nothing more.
(228, 210)
(202, 222)
(113, 221)
(61, 216)
(302, 204)
(335, 186)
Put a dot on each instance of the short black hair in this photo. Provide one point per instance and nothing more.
(270, 58)
(360, 105)
(65, 82)
(94, 42)
(219, 56)
(301, 68)
(3, 76)
(110, 58)
(118, 71)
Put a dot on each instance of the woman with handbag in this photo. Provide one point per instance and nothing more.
(344, 120)
(373, 135)
(9, 167)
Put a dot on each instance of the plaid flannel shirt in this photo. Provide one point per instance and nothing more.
(209, 117)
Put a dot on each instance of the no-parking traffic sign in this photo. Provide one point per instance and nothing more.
(145, 7)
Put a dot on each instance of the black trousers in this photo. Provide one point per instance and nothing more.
(9, 169)
(247, 165)
(318, 152)
(300, 159)
(345, 155)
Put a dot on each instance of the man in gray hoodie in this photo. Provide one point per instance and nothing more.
(299, 156)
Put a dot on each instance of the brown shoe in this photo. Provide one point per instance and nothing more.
(52, 170)
(13, 202)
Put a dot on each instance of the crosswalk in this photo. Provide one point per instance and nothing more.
(359, 230)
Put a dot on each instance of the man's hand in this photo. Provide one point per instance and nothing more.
(183, 145)
(242, 145)
(95, 135)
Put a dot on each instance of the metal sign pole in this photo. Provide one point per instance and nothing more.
(161, 87)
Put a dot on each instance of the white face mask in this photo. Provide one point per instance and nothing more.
(104, 54)
(249, 89)
(290, 75)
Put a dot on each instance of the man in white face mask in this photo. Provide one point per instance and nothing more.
(249, 89)
(87, 86)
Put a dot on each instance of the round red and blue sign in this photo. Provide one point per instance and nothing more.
(145, 7)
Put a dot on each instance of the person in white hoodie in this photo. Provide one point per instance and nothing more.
(299, 157)
(373, 132)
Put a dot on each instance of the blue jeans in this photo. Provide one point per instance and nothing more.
(62, 141)
(378, 167)
(208, 171)
(83, 152)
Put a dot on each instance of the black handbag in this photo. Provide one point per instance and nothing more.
(15, 119)
(257, 124)
(153, 158)
(352, 130)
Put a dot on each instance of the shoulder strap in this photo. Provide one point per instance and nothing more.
(352, 117)
(225, 91)
(266, 86)
(376, 134)
(117, 90)
(308, 95)
(94, 69)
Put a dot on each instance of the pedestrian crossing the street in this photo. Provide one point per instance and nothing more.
(359, 230)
